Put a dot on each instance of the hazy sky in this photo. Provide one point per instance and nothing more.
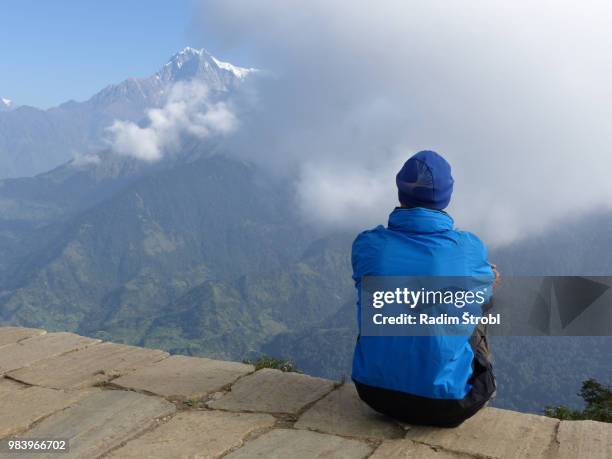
(53, 51)
(517, 95)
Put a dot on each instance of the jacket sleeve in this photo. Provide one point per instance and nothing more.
(364, 254)
(480, 267)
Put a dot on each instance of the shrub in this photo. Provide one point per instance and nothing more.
(271, 362)
(598, 399)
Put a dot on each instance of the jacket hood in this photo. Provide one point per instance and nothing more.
(420, 220)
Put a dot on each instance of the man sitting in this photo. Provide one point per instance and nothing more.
(433, 380)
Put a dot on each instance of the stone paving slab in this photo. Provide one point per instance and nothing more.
(493, 433)
(273, 391)
(332, 423)
(301, 444)
(180, 377)
(19, 410)
(99, 423)
(404, 449)
(10, 335)
(8, 386)
(88, 366)
(587, 439)
(31, 350)
(342, 412)
(193, 434)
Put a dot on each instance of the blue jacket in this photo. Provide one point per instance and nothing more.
(417, 242)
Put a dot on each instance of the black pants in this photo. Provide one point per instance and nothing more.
(414, 409)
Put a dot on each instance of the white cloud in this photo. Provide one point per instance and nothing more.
(345, 196)
(188, 111)
(515, 95)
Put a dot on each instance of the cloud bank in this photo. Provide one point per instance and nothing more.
(515, 95)
(188, 111)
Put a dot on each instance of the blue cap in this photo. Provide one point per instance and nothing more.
(425, 180)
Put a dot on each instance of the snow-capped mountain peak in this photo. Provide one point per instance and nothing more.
(82, 127)
(199, 63)
(186, 65)
(239, 72)
(184, 55)
(188, 50)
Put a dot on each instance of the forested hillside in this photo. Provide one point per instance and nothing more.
(205, 255)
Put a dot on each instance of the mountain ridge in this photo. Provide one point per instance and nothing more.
(33, 140)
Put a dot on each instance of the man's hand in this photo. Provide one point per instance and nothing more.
(497, 276)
